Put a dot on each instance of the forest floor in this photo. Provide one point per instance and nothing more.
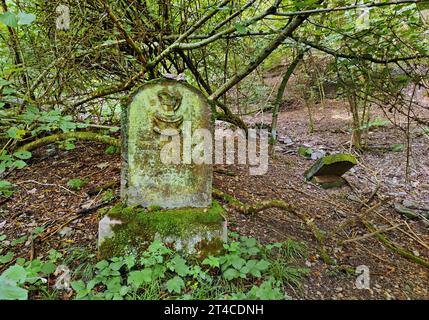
(43, 199)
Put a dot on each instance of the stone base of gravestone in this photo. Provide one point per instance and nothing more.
(193, 231)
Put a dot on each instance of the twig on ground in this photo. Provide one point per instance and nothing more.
(368, 235)
(49, 185)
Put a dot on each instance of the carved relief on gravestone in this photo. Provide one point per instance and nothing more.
(167, 117)
(163, 110)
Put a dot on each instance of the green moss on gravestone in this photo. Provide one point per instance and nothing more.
(332, 165)
(139, 228)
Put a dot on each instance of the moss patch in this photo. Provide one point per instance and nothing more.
(187, 229)
(332, 165)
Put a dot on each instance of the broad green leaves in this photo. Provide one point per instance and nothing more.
(9, 290)
(25, 18)
(161, 272)
(13, 279)
(11, 20)
(10, 161)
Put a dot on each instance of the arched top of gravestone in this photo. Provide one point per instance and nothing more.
(164, 82)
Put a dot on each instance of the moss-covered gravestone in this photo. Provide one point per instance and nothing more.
(327, 171)
(159, 109)
(166, 194)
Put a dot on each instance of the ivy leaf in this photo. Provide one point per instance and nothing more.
(175, 285)
(9, 19)
(23, 155)
(25, 18)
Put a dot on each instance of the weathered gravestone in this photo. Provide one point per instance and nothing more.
(164, 106)
(175, 191)
(327, 171)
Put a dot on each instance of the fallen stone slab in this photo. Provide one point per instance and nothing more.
(332, 165)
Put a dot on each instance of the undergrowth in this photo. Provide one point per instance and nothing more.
(244, 270)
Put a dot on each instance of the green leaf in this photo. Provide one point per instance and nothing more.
(124, 290)
(179, 265)
(249, 242)
(397, 147)
(6, 188)
(231, 274)
(112, 150)
(103, 264)
(265, 292)
(305, 152)
(76, 184)
(67, 126)
(24, 155)
(4, 82)
(78, 285)
(15, 133)
(19, 164)
(175, 285)
(10, 291)
(8, 257)
(137, 278)
(15, 273)
(9, 19)
(130, 261)
(240, 28)
(25, 18)
(237, 262)
(262, 265)
(212, 261)
(20, 240)
(48, 268)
